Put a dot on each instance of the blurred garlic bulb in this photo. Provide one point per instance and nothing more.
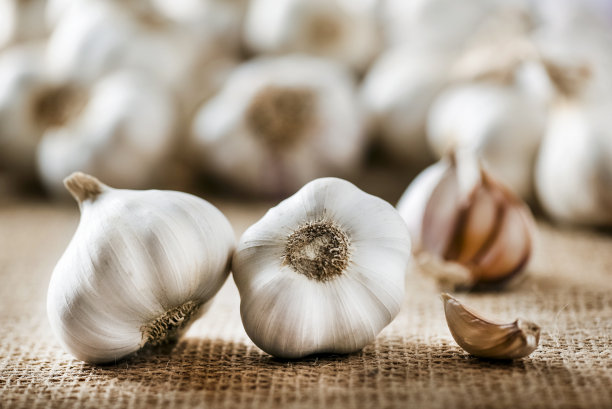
(280, 122)
(574, 168)
(21, 21)
(344, 31)
(499, 122)
(467, 228)
(21, 83)
(322, 272)
(122, 129)
(142, 265)
(397, 93)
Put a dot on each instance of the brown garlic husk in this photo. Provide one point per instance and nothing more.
(470, 232)
(484, 338)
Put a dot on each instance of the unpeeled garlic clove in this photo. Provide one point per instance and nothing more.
(486, 339)
(464, 221)
(141, 266)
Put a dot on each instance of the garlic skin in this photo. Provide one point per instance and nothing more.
(21, 21)
(21, 80)
(397, 93)
(320, 274)
(574, 168)
(467, 229)
(123, 130)
(344, 31)
(140, 267)
(500, 123)
(486, 339)
(279, 122)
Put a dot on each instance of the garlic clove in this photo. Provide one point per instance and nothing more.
(142, 265)
(316, 276)
(486, 339)
(470, 229)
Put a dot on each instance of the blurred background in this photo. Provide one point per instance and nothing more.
(251, 99)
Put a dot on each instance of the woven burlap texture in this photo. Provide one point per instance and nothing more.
(413, 363)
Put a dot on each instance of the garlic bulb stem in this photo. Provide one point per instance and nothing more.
(84, 187)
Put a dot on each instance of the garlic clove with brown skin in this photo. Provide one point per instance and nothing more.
(140, 268)
(279, 122)
(468, 229)
(486, 339)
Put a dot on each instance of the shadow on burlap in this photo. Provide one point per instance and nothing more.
(413, 363)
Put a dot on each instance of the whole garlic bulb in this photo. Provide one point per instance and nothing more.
(21, 21)
(122, 129)
(467, 228)
(397, 93)
(140, 267)
(322, 272)
(500, 122)
(21, 80)
(574, 167)
(344, 31)
(280, 122)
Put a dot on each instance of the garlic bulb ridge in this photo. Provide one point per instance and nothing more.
(142, 265)
(322, 272)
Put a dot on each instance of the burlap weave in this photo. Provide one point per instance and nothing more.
(414, 362)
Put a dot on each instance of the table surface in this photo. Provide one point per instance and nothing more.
(414, 362)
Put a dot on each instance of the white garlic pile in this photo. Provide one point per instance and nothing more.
(467, 228)
(279, 122)
(397, 93)
(122, 129)
(343, 31)
(140, 267)
(322, 272)
(21, 21)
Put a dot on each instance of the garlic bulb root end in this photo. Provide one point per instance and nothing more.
(168, 325)
(83, 187)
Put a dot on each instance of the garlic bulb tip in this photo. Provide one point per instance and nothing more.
(83, 187)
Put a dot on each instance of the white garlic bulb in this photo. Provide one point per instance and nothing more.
(121, 129)
(21, 21)
(397, 93)
(322, 272)
(21, 83)
(467, 228)
(574, 167)
(279, 122)
(140, 267)
(344, 31)
(500, 122)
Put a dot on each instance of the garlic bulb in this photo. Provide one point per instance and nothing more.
(344, 31)
(21, 21)
(322, 272)
(467, 228)
(278, 123)
(140, 267)
(486, 339)
(121, 129)
(21, 81)
(499, 122)
(396, 95)
(574, 167)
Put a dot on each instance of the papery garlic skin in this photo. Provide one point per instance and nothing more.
(574, 167)
(397, 93)
(462, 219)
(344, 31)
(322, 272)
(499, 122)
(123, 133)
(278, 123)
(140, 267)
(21, 21)
(21, 80)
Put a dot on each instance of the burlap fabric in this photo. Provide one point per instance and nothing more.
(413, 363)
